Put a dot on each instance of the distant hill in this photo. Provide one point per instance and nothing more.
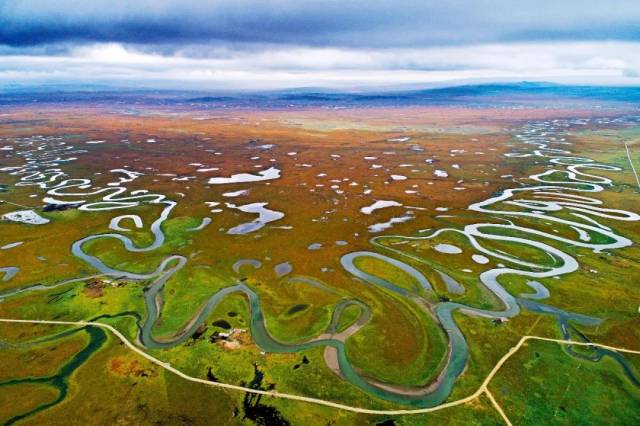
(477, 94)
(454, 94)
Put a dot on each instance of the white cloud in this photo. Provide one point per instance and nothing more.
(280, 67)
(112, 53)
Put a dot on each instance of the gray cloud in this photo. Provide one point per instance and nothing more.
(163, 24)
(333, 43)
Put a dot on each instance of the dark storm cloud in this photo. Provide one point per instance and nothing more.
(354, 23)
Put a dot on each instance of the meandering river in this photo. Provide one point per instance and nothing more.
(555, 197)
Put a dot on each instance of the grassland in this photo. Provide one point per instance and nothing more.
(328, 176)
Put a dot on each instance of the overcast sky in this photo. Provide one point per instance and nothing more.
(266, 44)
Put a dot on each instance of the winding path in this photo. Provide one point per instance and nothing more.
(633, 168)
(482, 389)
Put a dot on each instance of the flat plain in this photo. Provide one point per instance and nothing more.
(380, 261)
